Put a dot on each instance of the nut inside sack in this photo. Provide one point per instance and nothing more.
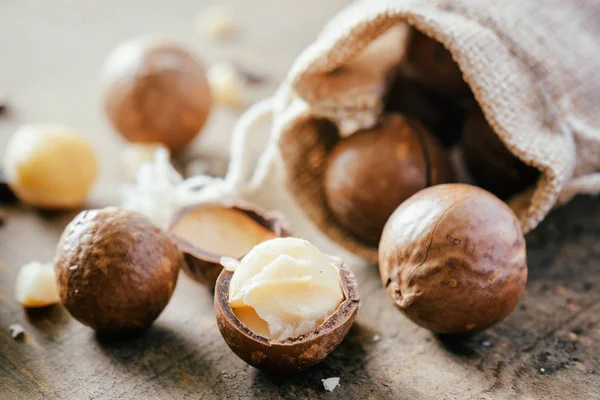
(379, 128)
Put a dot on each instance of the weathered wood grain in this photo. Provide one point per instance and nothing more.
(51, 52)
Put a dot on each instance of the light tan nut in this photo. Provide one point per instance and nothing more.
(36, 285)
(50, 166)
(226, 84)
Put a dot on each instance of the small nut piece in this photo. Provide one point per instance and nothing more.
(452, 258)
(226, 84)
(50, 166)
(434, 65)
(207, 232)
(36, 285)
(216, 21)
(286, 305)
(156, 92)
(116, 271)
(369, 174)
(491, 164)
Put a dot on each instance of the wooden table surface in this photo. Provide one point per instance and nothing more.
(549, 348)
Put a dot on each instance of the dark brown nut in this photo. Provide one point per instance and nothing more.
(206, 232)
(372, 172)
(434, 65)
(491, 164)
(442, 116)
(156, 92)
(116, 271)
(275, 350)
(452, 259)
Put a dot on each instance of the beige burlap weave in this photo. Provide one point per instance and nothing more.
(533, 66)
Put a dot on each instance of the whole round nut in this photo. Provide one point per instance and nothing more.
(452, 258)
(369, 174)
(156, 92)
(491, 164)
(50, 166)
(116, 271)
(434, 65)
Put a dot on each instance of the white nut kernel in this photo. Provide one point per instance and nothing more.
(216, 22)
(36, 285)
(50, 166)
(226, 84)
(284, 288)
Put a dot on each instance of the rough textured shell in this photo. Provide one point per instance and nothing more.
(452, 258)
(291, 355)
(205, 267)
(116, 271)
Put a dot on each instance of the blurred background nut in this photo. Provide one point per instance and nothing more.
(36, 285)
(452, 258)
(156, 92)
(50, 166)
(226, 84)
(217, 22)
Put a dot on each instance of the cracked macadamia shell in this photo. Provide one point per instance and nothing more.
(156, 92)
(369, 174)
(206, 232)
(116, 271)
(294, 354)
(452, 258)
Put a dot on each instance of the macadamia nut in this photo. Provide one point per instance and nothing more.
(156, 91)
(36, 285)
(284, 288)
(50, 166)
(226, 84)
(216, 22)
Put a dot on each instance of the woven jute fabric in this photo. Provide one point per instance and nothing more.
(533, 67)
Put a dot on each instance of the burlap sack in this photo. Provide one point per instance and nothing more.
(533, 66)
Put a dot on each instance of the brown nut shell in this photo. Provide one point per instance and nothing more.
(156, 92)
(491, 164)
(452, 258)
(116, 271)
(203, 265)
(290, 355)
(434, 65)
(370, 173)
